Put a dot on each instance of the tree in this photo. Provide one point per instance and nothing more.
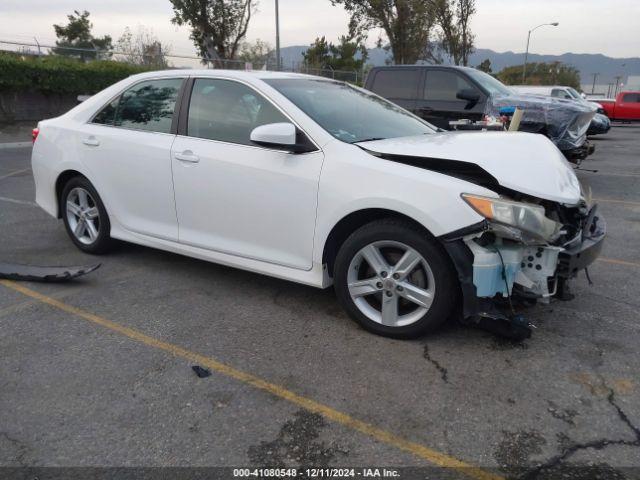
(217, 26)
(407, 24)
(485, 66)
(456, 38)
(258, 53)
(555, 73)
(77, 34)
(317, 55)
(347, 55)
(143, 48)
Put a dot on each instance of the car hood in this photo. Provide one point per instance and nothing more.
(524, 162)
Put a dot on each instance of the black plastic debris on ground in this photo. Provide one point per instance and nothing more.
(32, 273)
(201, 372)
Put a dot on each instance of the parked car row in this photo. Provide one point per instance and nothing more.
(320, 182)
(444, 94)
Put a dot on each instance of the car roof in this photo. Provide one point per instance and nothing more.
(540, 87)
(449, 67)
(237, 74)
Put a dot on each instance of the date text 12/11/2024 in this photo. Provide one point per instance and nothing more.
(315, 473)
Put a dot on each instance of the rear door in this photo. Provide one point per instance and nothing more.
(127, 149)
(400, 85)
(438, 103)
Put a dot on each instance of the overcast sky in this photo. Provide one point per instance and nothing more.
(610, 27)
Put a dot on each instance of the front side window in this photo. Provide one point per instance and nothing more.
(444, 86)
(397, 83)
(147, 105)
(489, 83)
(349, 114)
(631, 98)
(228, 111)
(560, 93)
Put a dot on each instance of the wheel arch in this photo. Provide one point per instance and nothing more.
(351, 222)
(61, 181)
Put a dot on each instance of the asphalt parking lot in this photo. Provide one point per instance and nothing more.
(97, 372)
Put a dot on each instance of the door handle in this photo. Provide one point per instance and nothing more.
(187, 156)
(91, 141)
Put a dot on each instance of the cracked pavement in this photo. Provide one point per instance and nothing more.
(564, 403)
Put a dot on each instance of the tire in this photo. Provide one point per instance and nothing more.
(93, 237)
(424, 295)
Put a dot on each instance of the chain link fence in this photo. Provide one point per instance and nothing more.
(154, 57)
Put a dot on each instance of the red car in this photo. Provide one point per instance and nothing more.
(625, 107)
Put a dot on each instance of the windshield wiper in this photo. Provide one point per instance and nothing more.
(372, 139)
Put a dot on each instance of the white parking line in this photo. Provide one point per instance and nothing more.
(5, 146)
(18, 202)
(17, 172)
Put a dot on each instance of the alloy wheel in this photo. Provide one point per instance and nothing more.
(83, 216)
(391, 283)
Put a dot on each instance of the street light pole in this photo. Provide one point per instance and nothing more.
(526, 55)
(278, 66)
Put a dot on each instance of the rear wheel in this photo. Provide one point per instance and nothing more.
(395, 280)
(85, 217)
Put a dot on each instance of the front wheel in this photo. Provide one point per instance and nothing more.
(394, 279)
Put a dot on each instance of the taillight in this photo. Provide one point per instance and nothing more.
(34, 134)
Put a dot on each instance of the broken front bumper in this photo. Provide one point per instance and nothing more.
(583, 253)
(521, 271)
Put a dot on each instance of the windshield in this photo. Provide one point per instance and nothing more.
(574, 94)
(348, 113)
(489, 83)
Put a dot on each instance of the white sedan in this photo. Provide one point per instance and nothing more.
(319, 182)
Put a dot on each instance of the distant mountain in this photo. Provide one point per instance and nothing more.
(587, 63)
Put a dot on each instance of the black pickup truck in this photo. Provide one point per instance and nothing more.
(442, 94)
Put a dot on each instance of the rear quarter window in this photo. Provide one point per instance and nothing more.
(631, 98)
(148, 105)
(396, 84)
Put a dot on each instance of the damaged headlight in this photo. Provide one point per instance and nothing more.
(525, 217)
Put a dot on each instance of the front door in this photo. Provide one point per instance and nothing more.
(237, 198)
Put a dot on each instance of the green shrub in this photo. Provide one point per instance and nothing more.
(54, 74)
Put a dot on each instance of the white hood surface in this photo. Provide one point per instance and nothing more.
(524, 162)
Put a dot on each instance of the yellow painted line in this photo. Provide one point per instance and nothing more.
(621, 202)
(425, 453)
(618, 262)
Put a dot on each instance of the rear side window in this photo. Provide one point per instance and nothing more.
(228, 111)
(107, 115)
(444, 86)
(631, 98)
(146, 106)
(397, 84)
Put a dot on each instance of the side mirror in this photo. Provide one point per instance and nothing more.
(470, 95)
(281, 136)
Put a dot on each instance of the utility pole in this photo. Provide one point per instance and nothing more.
(278, 66)
(593, 87)
(617, 77)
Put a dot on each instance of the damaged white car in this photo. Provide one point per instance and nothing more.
(322, 183)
